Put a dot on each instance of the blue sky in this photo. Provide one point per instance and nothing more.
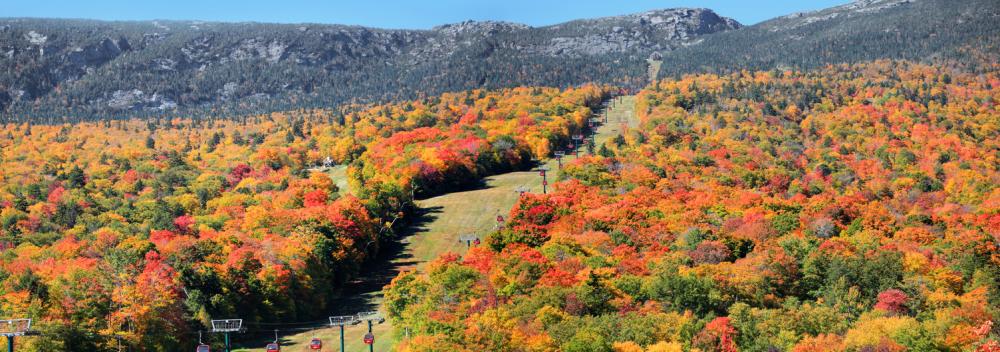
(410, 14)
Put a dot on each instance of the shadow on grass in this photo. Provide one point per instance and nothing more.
(466, 186)
(361, 294)
(358, 295)
(476, 184)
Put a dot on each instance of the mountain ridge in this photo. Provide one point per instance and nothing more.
(106, 68)
(864, 30)
(68, 70)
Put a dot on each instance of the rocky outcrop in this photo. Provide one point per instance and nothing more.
(861, 7)
(660, 30)
(96, 54)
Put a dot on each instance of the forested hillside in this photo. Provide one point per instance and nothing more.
(136, 233)
(851, 208)
(82, 70)
(861, 31)
(71, 70)
(823, 181)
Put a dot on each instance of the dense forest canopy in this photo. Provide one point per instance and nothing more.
(823, 181)
(140, 232)
(850, 208)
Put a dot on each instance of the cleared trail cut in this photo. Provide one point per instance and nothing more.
(446, 217)
(339, 176)
(654, 69)
(439, 224)
(621, 117)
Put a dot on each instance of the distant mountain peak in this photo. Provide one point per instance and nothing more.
(645, 32)
(481, 24)
(479, 27)
(853, 8)
(665, 15)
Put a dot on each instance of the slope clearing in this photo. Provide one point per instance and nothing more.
(440, 223)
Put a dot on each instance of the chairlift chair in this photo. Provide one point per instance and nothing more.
(316, 344)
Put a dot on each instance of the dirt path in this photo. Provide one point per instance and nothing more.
(436, 230)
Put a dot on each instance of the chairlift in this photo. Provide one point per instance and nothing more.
(316, 344)
(521, 190)
(202, 347)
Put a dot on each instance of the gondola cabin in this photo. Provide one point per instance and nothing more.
(203, 348)
(273, 347)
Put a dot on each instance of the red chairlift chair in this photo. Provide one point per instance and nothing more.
(316, 344)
